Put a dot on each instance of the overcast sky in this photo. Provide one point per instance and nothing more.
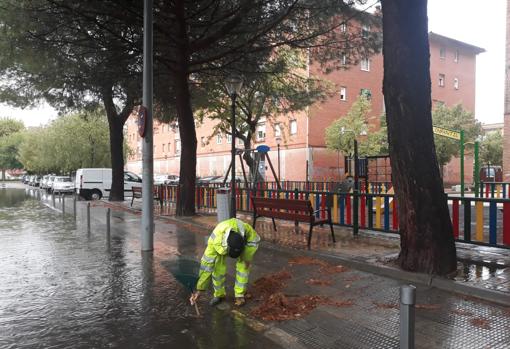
(466, 20)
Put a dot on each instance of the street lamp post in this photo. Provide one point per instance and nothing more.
(233, 85)
(355, 224)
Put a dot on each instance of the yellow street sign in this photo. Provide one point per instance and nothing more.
(446, 133)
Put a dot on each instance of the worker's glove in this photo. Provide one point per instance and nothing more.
(194, 297)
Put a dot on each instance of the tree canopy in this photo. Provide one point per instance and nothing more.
(371, 141)
(454, 118)
(70, 142)
(491, 149)
(10, 140)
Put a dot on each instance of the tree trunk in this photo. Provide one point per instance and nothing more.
(427, 243)
(187, 175)
(117, 155)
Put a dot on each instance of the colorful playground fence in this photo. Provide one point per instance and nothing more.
(494, 190)
(483, 221)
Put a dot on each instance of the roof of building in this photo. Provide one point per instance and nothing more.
(449, 41)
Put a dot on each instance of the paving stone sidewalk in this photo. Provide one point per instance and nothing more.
(443, 319)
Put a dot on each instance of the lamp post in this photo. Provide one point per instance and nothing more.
(355, 224)
(233, 85)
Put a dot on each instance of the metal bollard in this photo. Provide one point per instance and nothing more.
(108, 214)
(407, 302)
(88, 217)
(53, 199)
(74, 206)
(63, 204)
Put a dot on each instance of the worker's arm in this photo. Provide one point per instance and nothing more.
(252, 244)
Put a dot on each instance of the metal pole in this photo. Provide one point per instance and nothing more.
(462, 163)
(355, 224)
(279, 177)
(63, 204)
(407, 301)
(477, 170)
(233, 161)
(108, 214)
(88, 217)
(74, 205)
(147, 231)
(53, 198)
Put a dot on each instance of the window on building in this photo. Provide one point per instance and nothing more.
(343, 27)
(456, 56)
(441, 80)
(366, 92)
(442, 53)
(365, 64)
(343, 59)
(202, 142)
(343, 93)
(177, 146)
(277, 130)
(365, 30)
(168, 147)
(293, 127)
(229, 139)
(260, 132)
(163, 147)
(456, 83)
(219, 138)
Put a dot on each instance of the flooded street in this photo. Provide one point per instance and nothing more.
(63, 288)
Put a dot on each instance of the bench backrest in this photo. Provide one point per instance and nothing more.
(138, 190)
(290, 209)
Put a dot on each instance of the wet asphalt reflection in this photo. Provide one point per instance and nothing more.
(63, 288)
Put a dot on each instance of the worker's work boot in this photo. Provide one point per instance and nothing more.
(215, 301)
(240, 301)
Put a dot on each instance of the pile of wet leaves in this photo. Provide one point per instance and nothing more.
(279, 307)
(275, 305)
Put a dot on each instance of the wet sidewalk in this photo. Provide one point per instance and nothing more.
(79, 289)
(358, 292)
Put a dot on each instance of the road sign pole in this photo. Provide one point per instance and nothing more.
(462, 163)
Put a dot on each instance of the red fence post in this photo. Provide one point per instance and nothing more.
(506, 223)
(363, 210)
(395, 213)
(348, 209)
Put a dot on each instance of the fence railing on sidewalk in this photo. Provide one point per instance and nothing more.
(495, 190)
(483, 221)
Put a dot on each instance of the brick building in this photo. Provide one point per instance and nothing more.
(301, 135)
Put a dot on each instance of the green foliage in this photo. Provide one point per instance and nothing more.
(10, 140)
(491, 149)
(454, 118)
(272, 96)
(70, 142)
(339, 136)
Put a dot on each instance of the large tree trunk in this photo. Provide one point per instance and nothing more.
(187, 175)
(116, 127)
(427, 243)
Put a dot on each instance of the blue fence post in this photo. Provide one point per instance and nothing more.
(467, 220)
(386, 213)
(493, 211)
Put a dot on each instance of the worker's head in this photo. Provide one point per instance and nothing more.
(235, 243)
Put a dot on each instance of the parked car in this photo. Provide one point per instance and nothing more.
(49, 183)
(62, 184)
(94, 183)
(491, 173)
(165, 179)
(44, 182)
(25, 179)
(207, 180)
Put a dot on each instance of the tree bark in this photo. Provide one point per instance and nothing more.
(427, 243)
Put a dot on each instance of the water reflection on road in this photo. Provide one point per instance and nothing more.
(61, 287)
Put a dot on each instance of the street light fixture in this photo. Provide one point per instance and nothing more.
(233, 85)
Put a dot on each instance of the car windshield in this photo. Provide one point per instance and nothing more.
(62, 179)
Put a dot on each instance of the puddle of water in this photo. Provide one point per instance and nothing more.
(62, 287)
(473, 271)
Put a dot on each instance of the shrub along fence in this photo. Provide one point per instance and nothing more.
(483, 221)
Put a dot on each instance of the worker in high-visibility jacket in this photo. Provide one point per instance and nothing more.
(235, 239)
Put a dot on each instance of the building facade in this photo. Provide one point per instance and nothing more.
(297, 141)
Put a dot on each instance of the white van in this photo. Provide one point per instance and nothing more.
(95, 183)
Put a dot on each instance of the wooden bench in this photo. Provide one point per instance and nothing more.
(291, 210)
(137, 194)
